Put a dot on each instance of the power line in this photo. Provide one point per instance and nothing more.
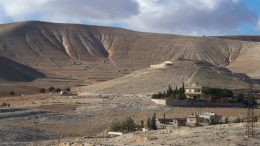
(250, 126)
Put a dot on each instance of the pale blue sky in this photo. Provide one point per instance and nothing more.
(190, 17)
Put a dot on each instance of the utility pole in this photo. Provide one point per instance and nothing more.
(35, 134)
(164, 121)
(250, 127)
(59, 134)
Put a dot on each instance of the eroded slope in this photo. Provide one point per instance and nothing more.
(41, 43)
(248, 60)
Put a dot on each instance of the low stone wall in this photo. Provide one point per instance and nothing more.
(167, 101)
(185, 103)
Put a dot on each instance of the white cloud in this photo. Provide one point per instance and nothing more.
(170, 16)
(79, 9)
(21, 8)
(193, 16)
(258, 24)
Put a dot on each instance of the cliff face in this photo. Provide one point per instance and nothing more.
(52, 46)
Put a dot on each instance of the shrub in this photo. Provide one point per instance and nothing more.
(5, 104)
(237, 120)
(142, 124)
(42, 90)
(51, 89)
(57, 90)
(12, 93)
(126, 125)
(67, 89)
(240, 98)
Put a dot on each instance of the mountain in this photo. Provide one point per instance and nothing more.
(95, 53)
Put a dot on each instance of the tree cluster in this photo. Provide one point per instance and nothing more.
(151, 123)
(171, 93)
(217, 92)
(213, 94)
(53, 89)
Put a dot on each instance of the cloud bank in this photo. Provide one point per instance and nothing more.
(171, 16)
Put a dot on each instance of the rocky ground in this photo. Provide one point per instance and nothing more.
(215, 135)
(71, 117)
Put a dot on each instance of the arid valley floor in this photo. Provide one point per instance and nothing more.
(80, 119)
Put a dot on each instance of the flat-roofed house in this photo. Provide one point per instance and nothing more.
(193, 120)
(192, 90)
(170, 123)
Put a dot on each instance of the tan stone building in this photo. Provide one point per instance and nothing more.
(192, 90)
(193, 120)
(170, 123)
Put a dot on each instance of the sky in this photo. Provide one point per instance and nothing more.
(187, 17)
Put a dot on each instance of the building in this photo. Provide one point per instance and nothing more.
(206, 118)
(170, 123)
(192, 91)
(209, 118)
(193, 120)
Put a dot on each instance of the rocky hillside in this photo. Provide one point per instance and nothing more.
(78, 51)
(27, 41)
(157, 78)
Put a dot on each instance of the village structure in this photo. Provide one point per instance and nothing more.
(195, 119)
(193, 90)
